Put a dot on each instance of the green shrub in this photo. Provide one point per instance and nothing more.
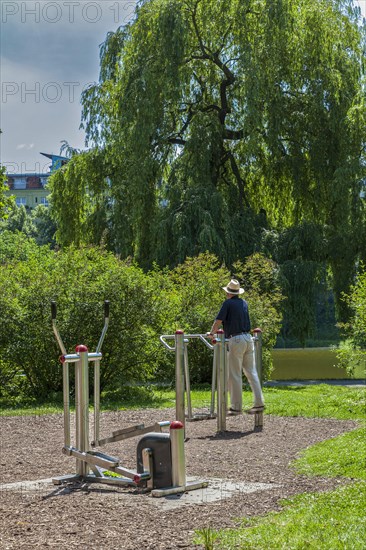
(79, 281)
(352, 352)
(142, 307)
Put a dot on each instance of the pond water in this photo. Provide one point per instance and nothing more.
(308, 364)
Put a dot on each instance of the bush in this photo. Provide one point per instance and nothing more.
(142, 307)
(79, 281)
(352, 352)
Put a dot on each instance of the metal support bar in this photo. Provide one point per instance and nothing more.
(258, 353)
(132, 431)
(221, 382)
(105, 461)
(178, 456)
(179, 482)
(82, 405)
(147, 461)
(202, 337)
(65, 376)
(213, 382)
(96, 401)
(187, 380)
(74, 357)
(258, 420)
(54, 327)
(190, 486)
(179, 376)
(105, 328)
(66, 396)
(99, 459)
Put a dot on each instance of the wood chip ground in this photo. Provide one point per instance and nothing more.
(90, 516)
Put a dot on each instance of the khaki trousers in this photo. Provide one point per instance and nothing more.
(241, 358)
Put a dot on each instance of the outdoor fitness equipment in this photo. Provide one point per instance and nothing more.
(219, 376)
(160, 456)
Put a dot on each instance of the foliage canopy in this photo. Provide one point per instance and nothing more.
(217, 123)
(214, 117)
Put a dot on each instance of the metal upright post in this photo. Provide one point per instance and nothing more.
(221, 382)
(178, 456)
(213, 382)
(96, 402)
(97, 376)
(66, 400)
(82, 406)
(179, 376)
(65, 377)
(258, 353)
(187, 380)
(258, 418)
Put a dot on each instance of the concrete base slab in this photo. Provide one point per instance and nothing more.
(35, 485)
(217, 490)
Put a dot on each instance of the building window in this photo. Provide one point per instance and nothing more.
(21, 201)
(44, 201)
(20, 183)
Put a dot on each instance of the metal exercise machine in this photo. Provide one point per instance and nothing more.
(219, 376)
(160, 456)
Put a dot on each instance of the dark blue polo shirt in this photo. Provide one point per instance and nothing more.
(234, 315)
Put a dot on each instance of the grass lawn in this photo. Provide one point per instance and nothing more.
(344, 455)
(328, 521)
(324, 521)
(318, 401)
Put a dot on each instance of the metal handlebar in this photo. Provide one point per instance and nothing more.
(186, 336)
(206, 342)
(58, 336)
(170, 337)
(55, 329)
(106, 321)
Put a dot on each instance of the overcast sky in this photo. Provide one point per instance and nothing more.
(49, 54)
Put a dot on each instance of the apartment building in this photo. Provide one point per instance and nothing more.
(30, 189)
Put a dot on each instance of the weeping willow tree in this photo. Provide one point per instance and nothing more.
(216, 118)
(81, 200)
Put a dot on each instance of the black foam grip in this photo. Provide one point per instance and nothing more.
(53, 309)
(106, 308)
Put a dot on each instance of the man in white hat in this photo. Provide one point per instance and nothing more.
(234, 316)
